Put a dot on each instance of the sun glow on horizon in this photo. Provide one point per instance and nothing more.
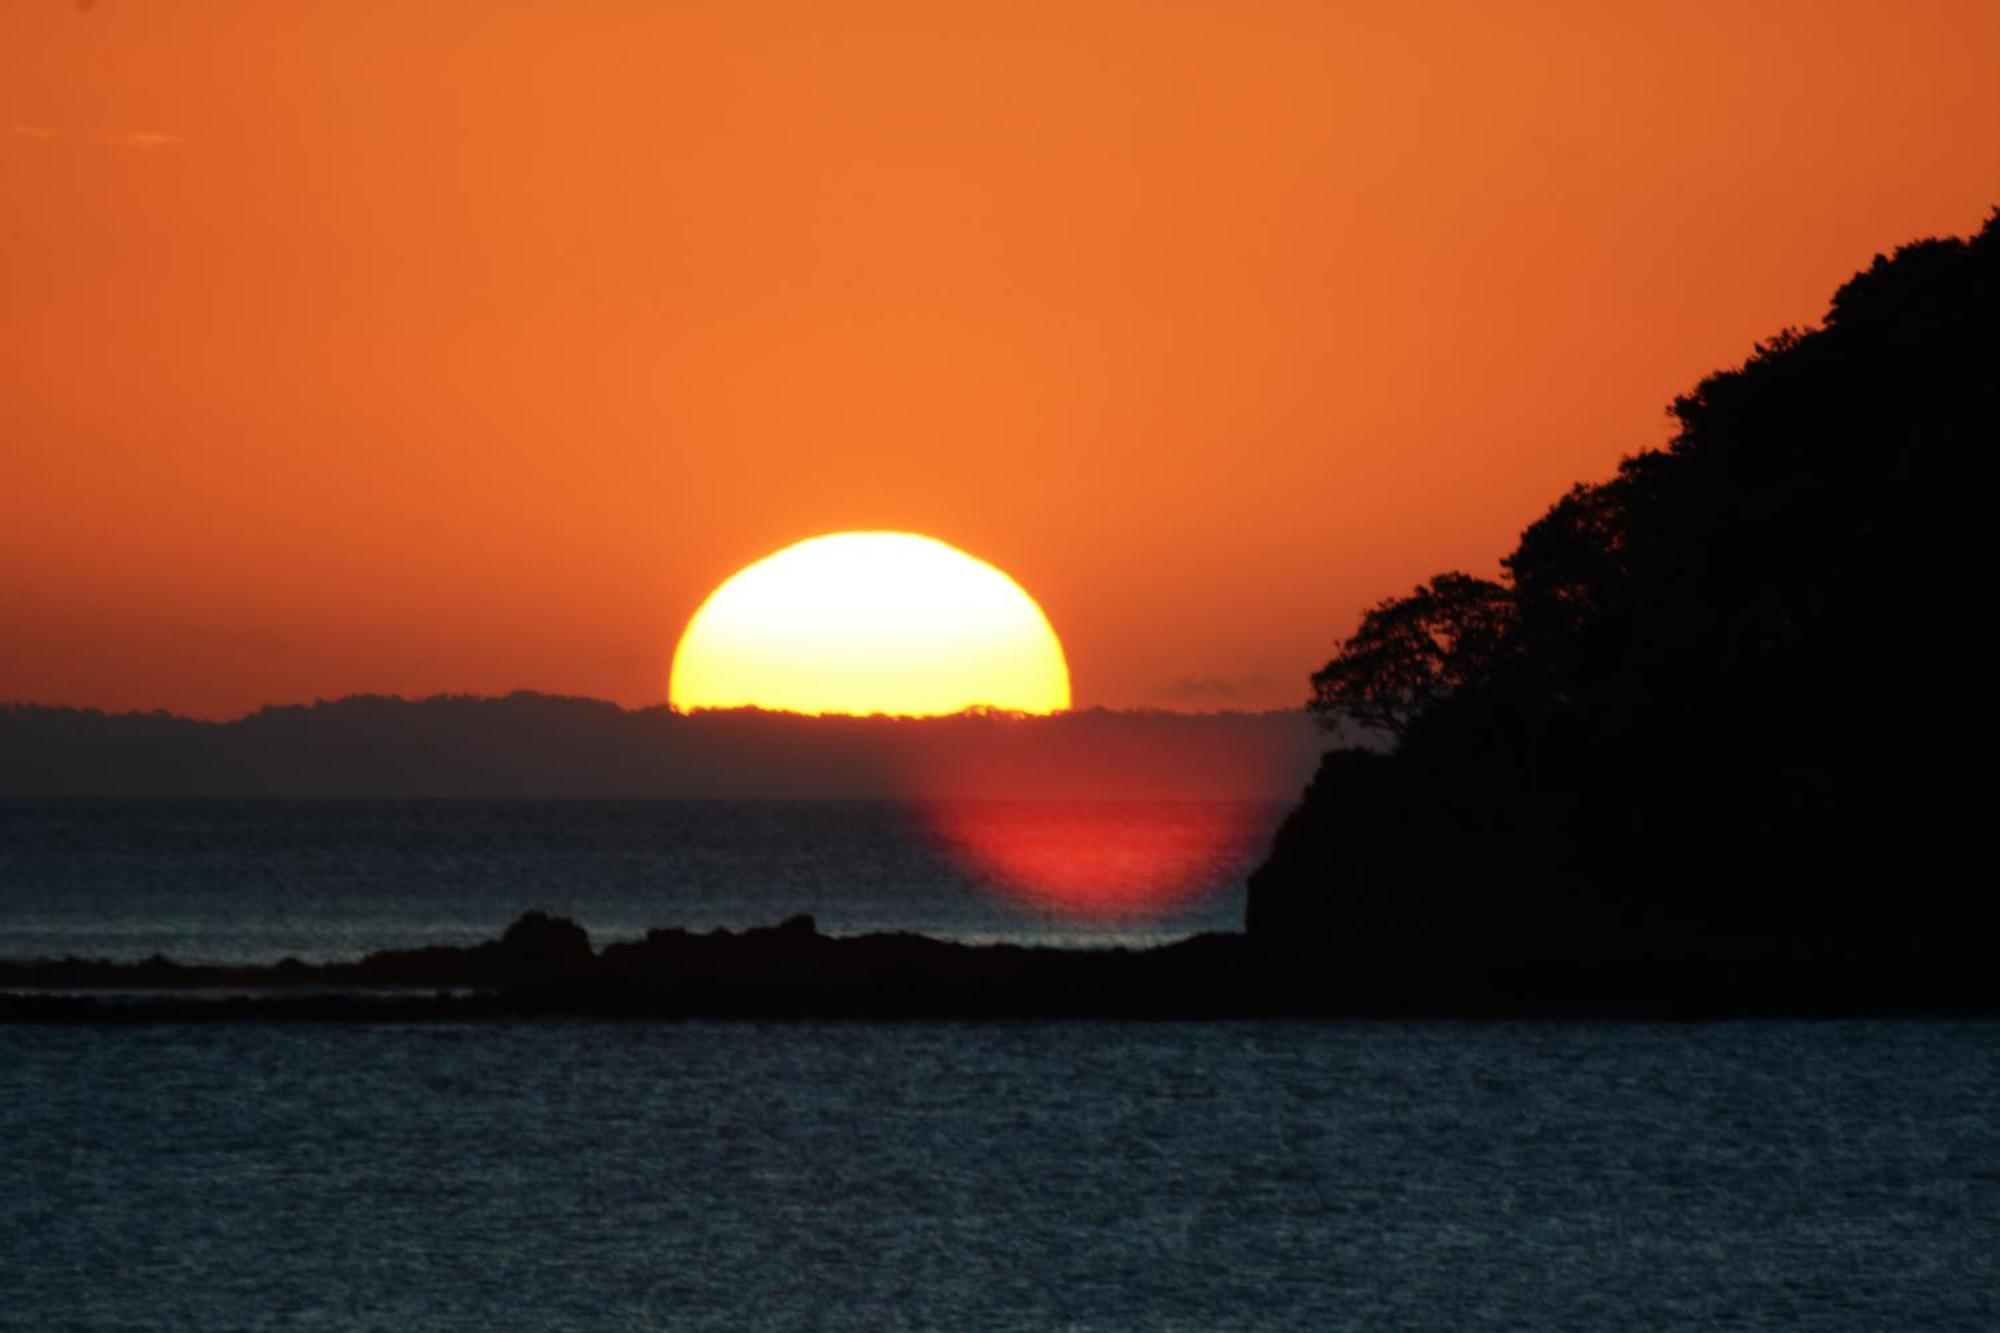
(870, 622)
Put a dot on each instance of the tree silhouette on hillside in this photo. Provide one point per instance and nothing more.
(1412, 652)
(1720, 706)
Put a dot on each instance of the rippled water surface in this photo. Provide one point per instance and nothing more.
(1001, 1176)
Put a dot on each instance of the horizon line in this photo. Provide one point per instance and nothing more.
(975, 712)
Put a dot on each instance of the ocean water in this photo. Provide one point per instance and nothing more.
(1076, 1175)
(1085, 1176)
(253, 881)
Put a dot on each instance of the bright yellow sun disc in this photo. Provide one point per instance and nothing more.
(870, 622)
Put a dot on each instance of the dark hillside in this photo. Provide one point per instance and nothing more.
(1722, 705)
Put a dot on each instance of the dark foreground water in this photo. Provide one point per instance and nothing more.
(1002, 1176)
(253, 881)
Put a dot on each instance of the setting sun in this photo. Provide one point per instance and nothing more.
(870, 622)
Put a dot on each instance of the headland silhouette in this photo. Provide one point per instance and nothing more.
(1717, 711)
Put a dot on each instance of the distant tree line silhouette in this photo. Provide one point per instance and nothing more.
(1726, 705)
(535, 745)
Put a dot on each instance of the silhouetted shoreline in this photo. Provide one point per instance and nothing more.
(545, 967)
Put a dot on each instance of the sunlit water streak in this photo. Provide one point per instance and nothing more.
(254, 881)
(1101, 861)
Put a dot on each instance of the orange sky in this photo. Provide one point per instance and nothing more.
(417, 347)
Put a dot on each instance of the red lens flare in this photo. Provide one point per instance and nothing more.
(1100, 860)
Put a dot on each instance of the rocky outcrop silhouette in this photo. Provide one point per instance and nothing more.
(539, 948)
(793, 971)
